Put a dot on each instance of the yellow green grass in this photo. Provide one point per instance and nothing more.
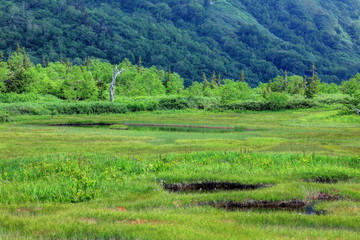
(101, 183)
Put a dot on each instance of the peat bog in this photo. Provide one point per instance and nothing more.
(136, 185)
(212, 186)
(325, 179)
(303, 206)
(156, 127)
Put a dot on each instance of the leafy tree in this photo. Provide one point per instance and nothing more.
(196, 89)
(295, 85)
(79, 85)
(356, 101)
(229, 92)
(126, 86)
(353, 106)
(4, 71)
(18, 63)
(277, 84)
(39, 82)
(329, 88)
(147, 82)
(175, 84)
(261, 88)
(352, 85)
(57, 72)
(152, 83)
(101, 73)
(232, 91)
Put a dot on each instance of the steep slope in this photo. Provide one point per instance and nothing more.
(262, 37)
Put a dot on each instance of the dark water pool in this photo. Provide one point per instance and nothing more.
(155, 127)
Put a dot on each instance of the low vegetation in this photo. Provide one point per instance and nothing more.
(73, 179)
(122, 197)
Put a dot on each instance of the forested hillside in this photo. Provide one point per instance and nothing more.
(192, 37)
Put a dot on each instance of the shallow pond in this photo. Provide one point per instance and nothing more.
(156, 127)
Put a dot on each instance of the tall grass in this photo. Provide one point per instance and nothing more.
(71, 178)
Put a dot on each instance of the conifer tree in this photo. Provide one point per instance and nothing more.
(242, 76)
(213, 79)
(312, 83)
(204, 80)
(219, 80)
(167, 79)
(45, 61)
(285, 82)
(140, 65)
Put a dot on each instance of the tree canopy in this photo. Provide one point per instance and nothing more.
(191, 37)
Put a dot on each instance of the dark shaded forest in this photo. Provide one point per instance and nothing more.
(191, 37)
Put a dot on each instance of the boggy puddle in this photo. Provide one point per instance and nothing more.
(265, 205)
(257, 204)
(298, 205)
(325, 179)
(156, 127)
(212, 186)
(303, 206)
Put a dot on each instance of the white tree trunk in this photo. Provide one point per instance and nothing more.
(357, 111)
(116, 73)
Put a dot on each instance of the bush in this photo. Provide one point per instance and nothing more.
(5, 117)
(245, 105)
(266, 105)
(204, 102)
(332, 99)
(141, 104)
(65, 108)
(25, 108)
(301, 104)
(174, 102)
(352, 104)
(86, 108)
(26, 97)
(277, 100)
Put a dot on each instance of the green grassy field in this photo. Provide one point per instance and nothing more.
(99, 182)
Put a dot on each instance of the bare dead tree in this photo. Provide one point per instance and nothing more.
(357, 111)
(116, 73)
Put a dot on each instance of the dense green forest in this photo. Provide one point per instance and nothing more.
(191, 37)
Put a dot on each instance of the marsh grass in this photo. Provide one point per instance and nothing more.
(302, 131)
(131, 202)
(99, 183)
(72, 178)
